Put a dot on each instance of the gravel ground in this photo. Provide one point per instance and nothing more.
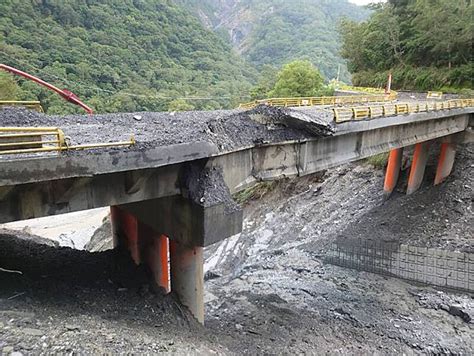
(445, 213)
(227, 129)
(271, 287)
(72, 301)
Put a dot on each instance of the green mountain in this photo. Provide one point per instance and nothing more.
(425, 44)
(121, 55)
(277, 31)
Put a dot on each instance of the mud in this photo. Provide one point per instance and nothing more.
(275, 290)
(206, 187)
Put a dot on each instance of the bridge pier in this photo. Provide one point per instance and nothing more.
(418, 165)
(187, 277)
(445, 162)
(125, 231)
(144, 244)
(393, 170)
(203, 214)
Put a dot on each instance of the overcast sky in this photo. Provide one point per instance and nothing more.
(365, 2)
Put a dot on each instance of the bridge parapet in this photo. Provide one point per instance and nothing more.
(374, 111)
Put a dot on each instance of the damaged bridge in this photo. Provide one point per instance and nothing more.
(171, 192)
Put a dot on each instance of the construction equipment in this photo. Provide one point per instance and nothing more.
(23, 140)
(64, 93)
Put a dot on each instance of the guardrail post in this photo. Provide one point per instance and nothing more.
(393, 170)
(418, 165)
(445, 162)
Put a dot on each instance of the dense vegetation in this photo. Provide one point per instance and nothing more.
(426, 44)
(119, 55)
(275, 32)
(298, 78)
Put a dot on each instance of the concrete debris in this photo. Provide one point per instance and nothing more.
(206, 187)
(315, 125)
(102, 238)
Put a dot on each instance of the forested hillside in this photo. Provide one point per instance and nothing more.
(426, 44)
(120, 55)
(276, 32)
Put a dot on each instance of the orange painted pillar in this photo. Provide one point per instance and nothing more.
(418, 165)
(158, 261)
(393, 170)
(125, 231)
(187, 277)
(145, 245)
(445, 162)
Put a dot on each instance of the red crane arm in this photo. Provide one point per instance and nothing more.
(66, 94)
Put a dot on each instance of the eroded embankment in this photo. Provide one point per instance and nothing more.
(271, 284)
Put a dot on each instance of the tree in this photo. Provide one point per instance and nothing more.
(426, 44)
(180, 105)
(9, 89)
(297, 79)
(266, 82)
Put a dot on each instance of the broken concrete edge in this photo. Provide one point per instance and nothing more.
(322, 125)
(202, 215)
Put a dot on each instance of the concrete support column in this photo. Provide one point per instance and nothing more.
(187, 277)
(445, 162)
(145, 245)
(158, 261)
(418, 165)
(125, 231)
(393, 170)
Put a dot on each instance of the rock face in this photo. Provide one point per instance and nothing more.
(26, 237)
(102, 240)
(275, 32)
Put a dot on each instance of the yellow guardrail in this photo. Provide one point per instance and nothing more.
(322, 100)
(434, 95)
(34, 105)
(362, 89)
(23, 140)
(374, 111)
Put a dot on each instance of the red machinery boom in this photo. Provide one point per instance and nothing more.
(66, 94)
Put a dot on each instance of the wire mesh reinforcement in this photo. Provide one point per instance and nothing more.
(431, 266)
